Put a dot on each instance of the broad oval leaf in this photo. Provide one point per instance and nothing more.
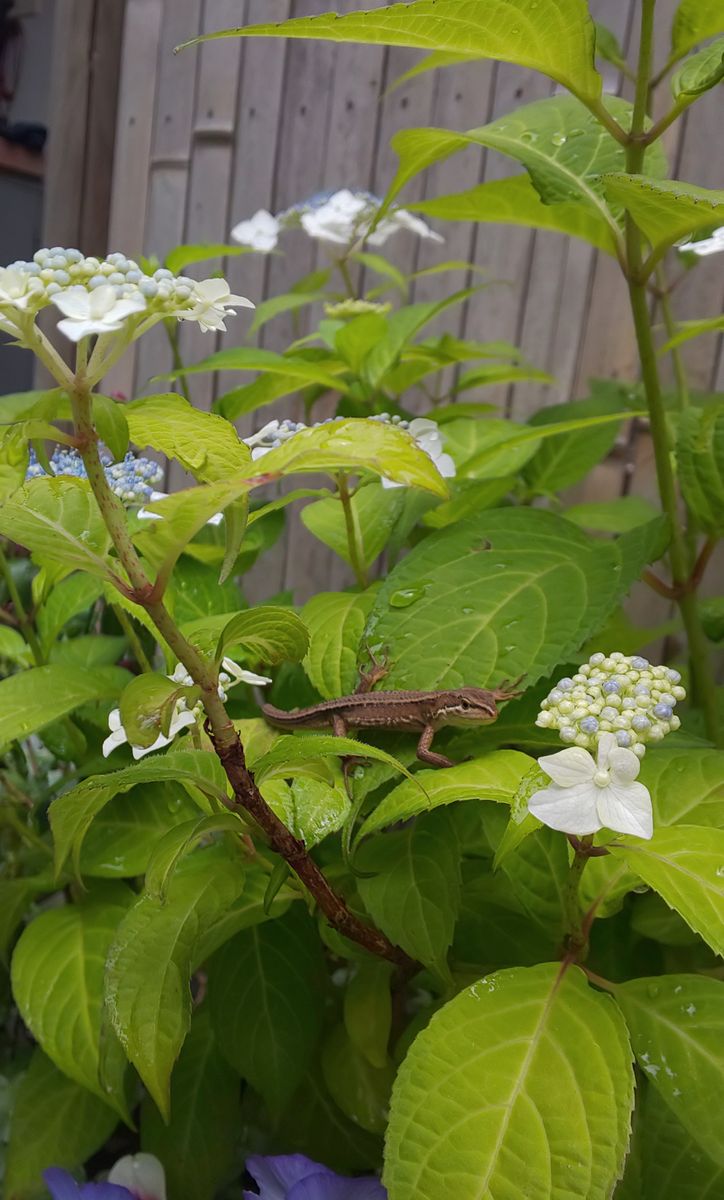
(515, 201)
(562, 145)
(264, 992)
(59, 522)
(676, 1024)
(194, 252)
(32, 699)
(204, 444)
(150, 960)
(521, 1085)
(55, 1123)
(181, 840)
(270, 633)
(694, 22)
(673, 1166)
(685, 865)
(665, 210)
(57, 978)
(511, 591)
(687, 786)
(410, 886)
(700, 72)
(335, 621)
(361, 1090)
(197, 1146)
(495, 776)
(72, 813)
(700, 462)
(555, 37)
(375, 512)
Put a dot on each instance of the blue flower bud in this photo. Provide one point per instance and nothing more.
(610, 686)
(565, 684)
(639, 663)
(623, 737)
(640, 723)
(588, 725)
(663, 712)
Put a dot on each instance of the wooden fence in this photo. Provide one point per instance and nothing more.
(206, 137)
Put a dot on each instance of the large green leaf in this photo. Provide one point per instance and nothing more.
(700, 463)
(335, 621)
(269, 633)
(563, 461)
(677, 1032)
(686, 330)
(311, 807)
(59, 521)
(374, 512)
(520, 1086)
(326, 372)
(197, 1146)
(72, 813)
(410, 885)
(189, 253)
(149, 963)
(123, 837)
(673, 1166)
(495, 776)
(687, 786)
(68, 598)
(552, 36)
(699, 73)
(16, 897)
(204, 444)
(57, 977)
(665, 210)
(685, 865)
(55, 1123)
(264, 991)
(694, 22)
(32, 699)
(360, 1090)
(561, 144)
(511, 591)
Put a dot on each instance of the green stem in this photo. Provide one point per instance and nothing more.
(172, 332)
(682, 384)
(224, 737)
(353, 532)
(134, 640)
(575, 941)
(344, 272)
(24, 621)
(703, 685)
(24, 832)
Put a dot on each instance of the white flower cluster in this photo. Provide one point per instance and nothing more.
(133, 479)
(425, 433)
(614, 694)
(340, 217)
(613, 705)
(183, 717)
(98, 295)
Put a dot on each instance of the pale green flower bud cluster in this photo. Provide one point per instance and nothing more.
(625, 696)
(52, 270)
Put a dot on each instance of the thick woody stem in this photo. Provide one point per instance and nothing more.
(224, 737)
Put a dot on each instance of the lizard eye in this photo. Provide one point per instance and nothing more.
(465, 704)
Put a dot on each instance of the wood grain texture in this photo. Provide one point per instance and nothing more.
(207, 137)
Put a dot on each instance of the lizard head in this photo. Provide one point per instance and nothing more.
(467, 706)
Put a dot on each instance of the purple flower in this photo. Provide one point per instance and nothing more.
(62, 1186)
(295, 1177)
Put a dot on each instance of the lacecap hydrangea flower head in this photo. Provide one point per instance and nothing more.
(101, 295)
(614, 705)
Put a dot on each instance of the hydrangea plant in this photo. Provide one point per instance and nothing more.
(253, 926)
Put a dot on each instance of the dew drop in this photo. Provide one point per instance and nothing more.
(403, 597)
(720, 872)
(467, 611)
(559, 139)
(653, 990)
(528, 136)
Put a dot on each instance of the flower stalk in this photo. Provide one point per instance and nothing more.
(353, 531)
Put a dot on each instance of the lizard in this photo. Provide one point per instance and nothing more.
(421, 712)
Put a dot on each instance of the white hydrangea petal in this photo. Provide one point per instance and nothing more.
(606, 745)
(142, 1174)
(624, 765)
(569, 767)
(128, 306)
(240, 675)
(420, 426)
(73, 302)
(626, 808)
(570, 809)
(408, 220)
(261, 231)
(182, 719)
(446, 466)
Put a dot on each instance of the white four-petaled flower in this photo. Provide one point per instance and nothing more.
(588, 794)
(213, 301)
(97, 311)
(142, 1174)
(260, 232)
(428, 439)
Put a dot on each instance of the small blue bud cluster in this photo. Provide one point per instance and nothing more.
(616, 694)
(52, 270)
(275, 433)
(132, 480)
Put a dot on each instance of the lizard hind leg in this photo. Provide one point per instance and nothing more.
(426, 755)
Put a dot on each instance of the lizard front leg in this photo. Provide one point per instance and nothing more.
(426, 755)
(377, 671)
